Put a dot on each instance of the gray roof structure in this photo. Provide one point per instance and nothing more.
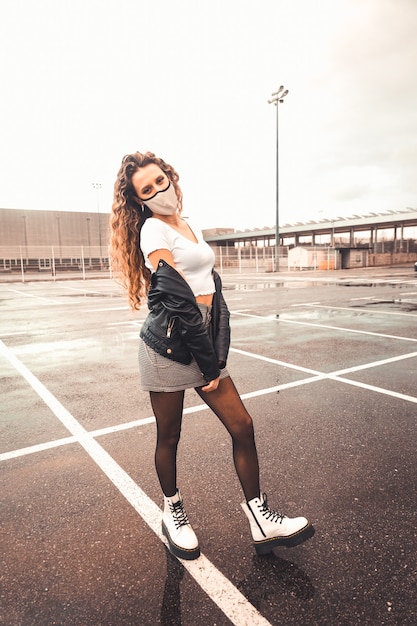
(373, 220)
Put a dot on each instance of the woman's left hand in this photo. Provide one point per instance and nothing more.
(212, 385)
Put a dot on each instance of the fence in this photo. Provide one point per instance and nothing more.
(52, 260)
(249, 258)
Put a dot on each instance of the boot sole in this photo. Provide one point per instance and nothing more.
(266, 546)
(181, 553)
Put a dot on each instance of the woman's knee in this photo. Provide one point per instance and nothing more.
(242, 429)
(168, 437)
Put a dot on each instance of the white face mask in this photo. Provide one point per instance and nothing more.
(163, 202)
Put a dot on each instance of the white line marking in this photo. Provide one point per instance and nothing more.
(316, 376)
(327, 326)
(79, 289)
(40, 447)
(114, 308)
(13, 454)
(363, 298)
(348, 330)
(125, 426)
(30, 295)
(320, 375)
(392, 394)
(126, 323)
(219, 589)
(275, 361)
(337, 375)
(364, 366)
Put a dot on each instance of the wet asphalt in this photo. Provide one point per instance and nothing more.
(326, 364)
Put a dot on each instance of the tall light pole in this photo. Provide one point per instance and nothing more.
(276, 99)
(58, 220)
(89, 240)
(97, 187)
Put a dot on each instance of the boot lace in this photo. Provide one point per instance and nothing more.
(268, 513)
(178, 514)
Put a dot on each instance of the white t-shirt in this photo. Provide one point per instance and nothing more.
(195, 260)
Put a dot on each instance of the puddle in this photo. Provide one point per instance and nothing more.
(405, 306)
(302, 284)
(284, 284)
(376, 283)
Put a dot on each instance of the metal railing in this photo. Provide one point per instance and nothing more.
(52, 261)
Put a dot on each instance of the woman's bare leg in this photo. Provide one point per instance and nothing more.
(225, 402)
(167, 408)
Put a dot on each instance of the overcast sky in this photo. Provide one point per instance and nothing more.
(84, 82)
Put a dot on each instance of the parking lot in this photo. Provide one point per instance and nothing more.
(325, 363)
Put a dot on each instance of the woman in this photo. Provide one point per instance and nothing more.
(162, 258)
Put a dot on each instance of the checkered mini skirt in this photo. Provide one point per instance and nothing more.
(157, 373)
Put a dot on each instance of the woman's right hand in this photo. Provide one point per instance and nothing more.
(212, 385)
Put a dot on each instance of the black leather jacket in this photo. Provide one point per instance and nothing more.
(174, 326)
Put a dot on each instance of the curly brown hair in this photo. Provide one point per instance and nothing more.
(126, 220)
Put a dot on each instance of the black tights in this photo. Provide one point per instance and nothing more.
(225, 402)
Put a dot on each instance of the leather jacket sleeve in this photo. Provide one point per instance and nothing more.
(221, 323)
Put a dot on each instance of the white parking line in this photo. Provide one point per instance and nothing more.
(219, 589)
(387, 392)
(114, 308)
(363, 298)
(350, 330)
(275, 361)
(40, 447)
(30, 295)
(337, 375)
(328, 327)
(126, 323)
(79, 289)
(315, 377)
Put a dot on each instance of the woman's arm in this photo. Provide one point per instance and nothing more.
(166, 256)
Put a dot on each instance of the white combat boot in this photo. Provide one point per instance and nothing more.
(270, 529)
(177, 529)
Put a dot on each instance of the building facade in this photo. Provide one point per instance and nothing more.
(40, 240)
